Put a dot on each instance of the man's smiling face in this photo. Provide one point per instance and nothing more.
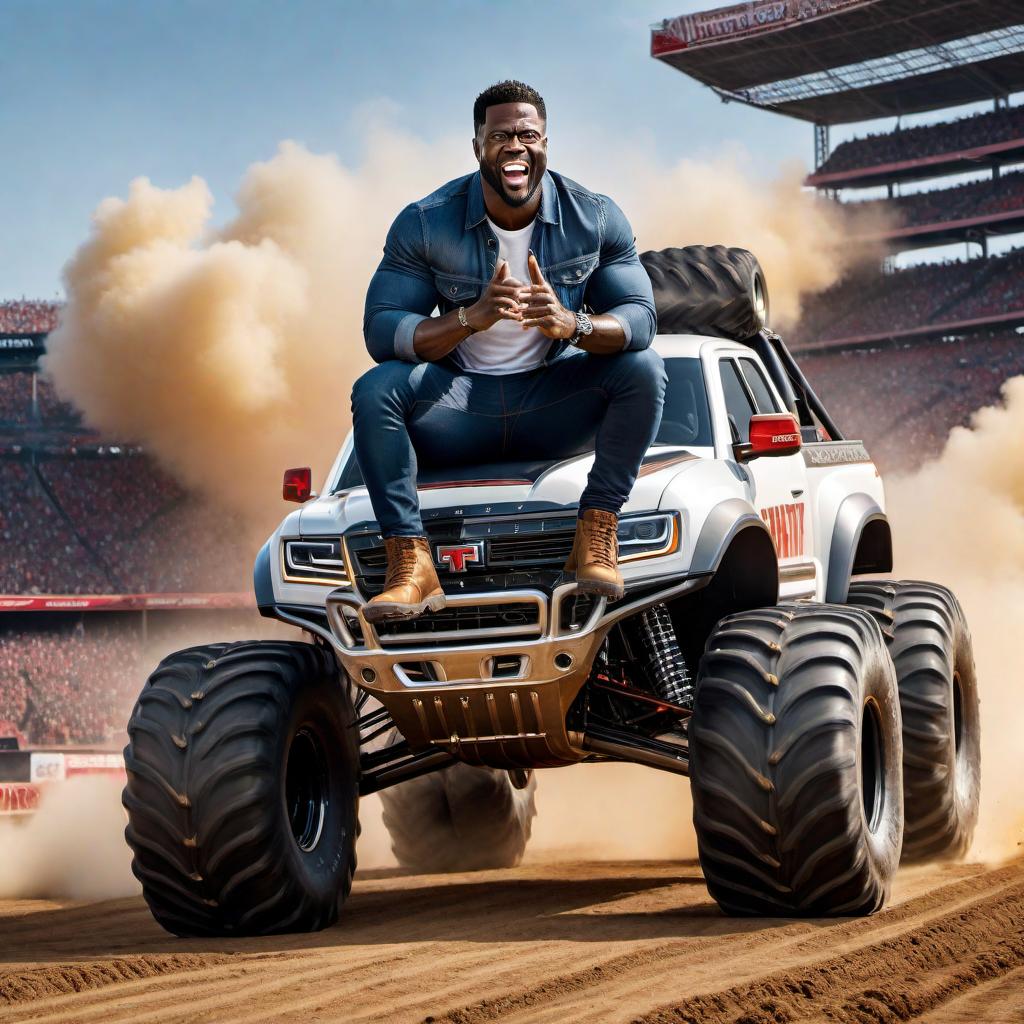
(512, 148)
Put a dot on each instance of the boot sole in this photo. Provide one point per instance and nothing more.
(609, 590)
(401, 612)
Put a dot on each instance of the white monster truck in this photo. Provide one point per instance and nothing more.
(827, 724)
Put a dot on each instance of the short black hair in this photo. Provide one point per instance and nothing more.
(509, 91)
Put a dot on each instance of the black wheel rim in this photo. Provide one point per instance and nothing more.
(872, 765)
(306, 788)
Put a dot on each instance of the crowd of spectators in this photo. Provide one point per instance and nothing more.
(872, 303)
(28, 316)
(904, 401)
(927, 140)
(39, 551)
(15, 397)
(74, 524)
(143, 527)
(68, 679)
(66, 683)
(961, 202)
(17, 408)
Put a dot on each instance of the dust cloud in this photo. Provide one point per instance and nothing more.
(803, 242)
(960, 521)
(230, 353)
(71, 848)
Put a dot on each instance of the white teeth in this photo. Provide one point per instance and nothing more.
(515, 167)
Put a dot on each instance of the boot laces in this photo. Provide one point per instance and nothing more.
(401, 560)
(605, 535)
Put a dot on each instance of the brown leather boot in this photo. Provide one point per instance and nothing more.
(595, 554)
(411, 586)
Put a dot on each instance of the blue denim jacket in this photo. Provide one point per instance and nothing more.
(441, 252)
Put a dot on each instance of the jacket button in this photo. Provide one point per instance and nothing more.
(454, 289)
(490, 243)
(579, 273)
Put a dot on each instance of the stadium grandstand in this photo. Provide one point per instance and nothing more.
(105, 562)
(905, 349)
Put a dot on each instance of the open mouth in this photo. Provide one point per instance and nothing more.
(515, 173)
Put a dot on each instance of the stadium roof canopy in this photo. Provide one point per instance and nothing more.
(839, 61)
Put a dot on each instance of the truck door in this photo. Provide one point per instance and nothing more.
(777, 486)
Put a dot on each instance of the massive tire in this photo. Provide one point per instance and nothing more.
(708, 290)
(460, 819)
(795, 763)
(930, 646)
(242, 793)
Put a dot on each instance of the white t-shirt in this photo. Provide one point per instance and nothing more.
(505, 347)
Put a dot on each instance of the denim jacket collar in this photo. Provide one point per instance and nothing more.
(476, 211)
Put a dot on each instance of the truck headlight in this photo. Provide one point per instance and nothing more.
(315, 561)
(648, 535)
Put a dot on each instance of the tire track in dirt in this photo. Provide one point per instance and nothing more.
(888, 982)
(640, 977)
(611, 942)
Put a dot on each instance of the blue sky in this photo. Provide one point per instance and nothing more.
(96, 92)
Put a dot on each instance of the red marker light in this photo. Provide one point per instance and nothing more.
(298, 484)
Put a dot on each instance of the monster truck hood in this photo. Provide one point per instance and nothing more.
(557, 485)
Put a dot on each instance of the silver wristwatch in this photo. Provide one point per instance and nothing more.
(584, 327)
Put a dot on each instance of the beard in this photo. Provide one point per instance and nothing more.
(493, 177)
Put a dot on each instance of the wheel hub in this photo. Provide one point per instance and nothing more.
(306, 789)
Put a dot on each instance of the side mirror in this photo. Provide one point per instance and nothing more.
(298, 484)
(771, 434)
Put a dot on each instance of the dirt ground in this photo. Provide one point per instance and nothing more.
(593, 942)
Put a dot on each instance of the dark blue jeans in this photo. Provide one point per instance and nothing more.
(407, 415)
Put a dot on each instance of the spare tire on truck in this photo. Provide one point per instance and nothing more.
(795, 763)
(242, 791)
(708, 289)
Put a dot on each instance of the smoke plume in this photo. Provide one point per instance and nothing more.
(960, 521)
(72, 847)
(230, 354)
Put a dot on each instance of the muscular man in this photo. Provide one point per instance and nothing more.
(511, 367)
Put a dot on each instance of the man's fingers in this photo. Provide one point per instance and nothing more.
(508, 314)
(539, 307)
(541, 321)
(500, 271)
(535, 275)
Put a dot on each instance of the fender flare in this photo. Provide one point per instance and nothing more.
(855, 512)
(723, 524)
(263, 582)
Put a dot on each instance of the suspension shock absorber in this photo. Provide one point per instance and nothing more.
(661, 657)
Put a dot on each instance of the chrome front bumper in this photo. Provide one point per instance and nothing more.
(501, 696)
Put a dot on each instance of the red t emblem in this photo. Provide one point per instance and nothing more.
(458, 556)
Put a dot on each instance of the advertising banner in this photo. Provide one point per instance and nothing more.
(691, 30)
(46, 766)
(18, 797)
(120, 602)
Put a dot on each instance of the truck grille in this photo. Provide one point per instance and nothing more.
(494, 620)
(493, 623)
(537, 545)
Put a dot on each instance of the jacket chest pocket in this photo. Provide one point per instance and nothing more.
(456, 290)
(570, 280)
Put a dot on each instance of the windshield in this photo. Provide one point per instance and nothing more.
(686, 419)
